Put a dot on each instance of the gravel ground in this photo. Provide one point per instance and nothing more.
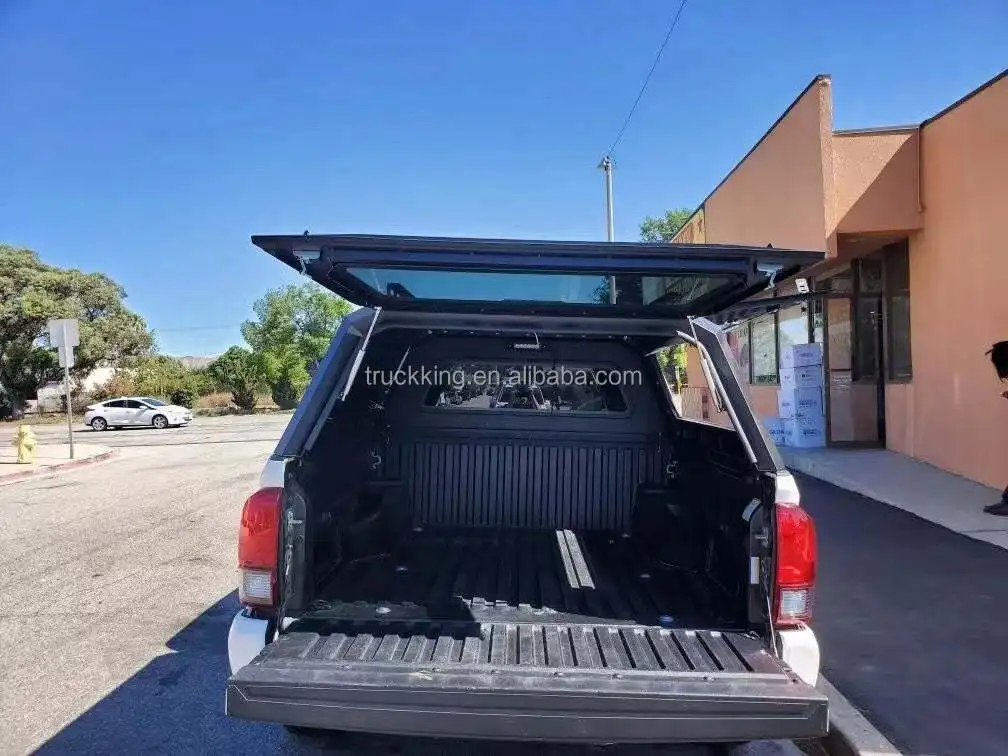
(116, 592)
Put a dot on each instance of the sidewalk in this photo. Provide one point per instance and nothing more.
(48, 459)
(945, 499)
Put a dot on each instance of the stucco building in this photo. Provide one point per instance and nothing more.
(914, 220)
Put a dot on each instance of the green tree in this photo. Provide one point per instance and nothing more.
(285, 374)
(205, 382)
(292, 330)
(32, 293)
(663, 228)
(184, 395)
(159, 375)
(239, 372)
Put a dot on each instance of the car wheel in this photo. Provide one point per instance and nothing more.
(160, 422)
(99, 424)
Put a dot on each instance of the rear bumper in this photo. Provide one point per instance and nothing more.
(532, 705)
(246, 638)
(800, 650)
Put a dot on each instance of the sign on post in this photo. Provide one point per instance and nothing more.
(64, 334)
(66, 359)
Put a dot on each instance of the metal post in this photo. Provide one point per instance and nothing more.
(66, 380)
(606, 166)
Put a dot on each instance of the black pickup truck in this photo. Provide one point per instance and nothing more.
(455, 537)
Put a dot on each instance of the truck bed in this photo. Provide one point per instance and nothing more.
(546, 635)
(538, 576)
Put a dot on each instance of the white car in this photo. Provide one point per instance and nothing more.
(135, 410)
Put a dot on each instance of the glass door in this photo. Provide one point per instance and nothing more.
(855, 390)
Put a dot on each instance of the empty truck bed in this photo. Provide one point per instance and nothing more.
(521, 576)
(587, 637)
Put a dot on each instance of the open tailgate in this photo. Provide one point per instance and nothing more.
(552, 681)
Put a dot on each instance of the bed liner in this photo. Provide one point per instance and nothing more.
(532, 635)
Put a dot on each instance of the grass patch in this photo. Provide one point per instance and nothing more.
(48, 418)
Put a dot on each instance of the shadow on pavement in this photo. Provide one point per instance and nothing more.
(175, 704)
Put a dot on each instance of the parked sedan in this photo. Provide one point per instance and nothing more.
(135, 410)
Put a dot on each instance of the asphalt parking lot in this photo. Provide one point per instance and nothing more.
(116, 593)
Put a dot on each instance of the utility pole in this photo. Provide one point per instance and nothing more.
(606, 165)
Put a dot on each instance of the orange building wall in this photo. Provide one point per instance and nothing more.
(875, 181)
(900, 416)
(775, 196)
(959, 290)
(945, 187)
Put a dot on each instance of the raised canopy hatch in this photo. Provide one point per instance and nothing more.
(512, 276)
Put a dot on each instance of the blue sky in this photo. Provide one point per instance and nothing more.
(149, 140)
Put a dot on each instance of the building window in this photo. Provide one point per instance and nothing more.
(818, 321)
(738, 342)
(792, 326)
(763, 349)
(758, 343)
(897, 307)
(841, 282)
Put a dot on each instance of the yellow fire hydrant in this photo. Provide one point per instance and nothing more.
(25, 442)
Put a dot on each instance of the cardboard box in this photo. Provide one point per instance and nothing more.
(801, 355)
(803, 402)
(801, 377)
(775, 428)
(805, 432)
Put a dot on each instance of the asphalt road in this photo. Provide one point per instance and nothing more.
(116, 592)
(912, 622)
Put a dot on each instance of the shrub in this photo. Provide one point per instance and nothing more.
(8, 410)
(205, 382)
(79, 401)
(238, 370)
(216, 400)
(286, 391)
(184, 395)
(120, 384)
(244, 399)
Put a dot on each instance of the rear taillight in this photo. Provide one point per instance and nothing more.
(258, 545)
(796, 557)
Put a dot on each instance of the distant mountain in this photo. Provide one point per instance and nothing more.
(194, 362)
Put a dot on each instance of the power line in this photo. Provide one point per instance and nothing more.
(647, 79)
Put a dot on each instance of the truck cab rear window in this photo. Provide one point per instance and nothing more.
(529, 388)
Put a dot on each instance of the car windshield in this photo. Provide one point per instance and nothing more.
(153, 402)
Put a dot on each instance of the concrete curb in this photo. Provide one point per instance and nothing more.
(70, 464)
(850, 734)
(810, 468)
